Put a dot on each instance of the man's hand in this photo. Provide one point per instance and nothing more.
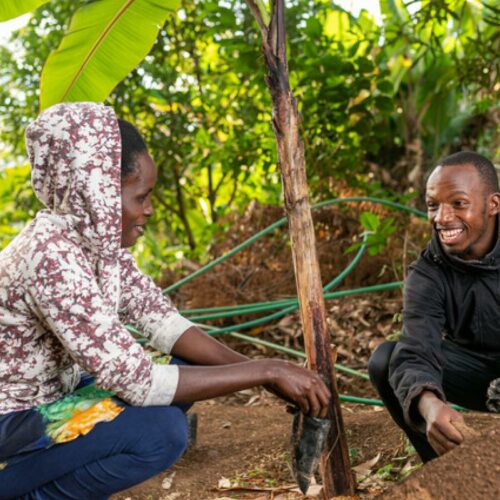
(441, 433)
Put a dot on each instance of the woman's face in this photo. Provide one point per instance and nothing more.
(137, 189)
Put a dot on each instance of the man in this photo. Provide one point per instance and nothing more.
(449, 349)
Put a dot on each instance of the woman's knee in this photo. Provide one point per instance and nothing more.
(378, 364)
(165, 436)
(171, 434)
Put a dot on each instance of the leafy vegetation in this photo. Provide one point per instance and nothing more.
(9, 10)
(380, 103)
(104, 42)
(376, 231)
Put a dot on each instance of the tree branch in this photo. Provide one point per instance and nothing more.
(260, 14)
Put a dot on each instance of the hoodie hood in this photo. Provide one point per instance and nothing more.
(487, 263)
(75, 154)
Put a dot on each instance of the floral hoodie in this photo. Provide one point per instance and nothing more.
(66, 285)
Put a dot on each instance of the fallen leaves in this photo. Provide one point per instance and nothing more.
(166, 484)
(364, 469)
(224, 483)
(278, 492)
(283, 492)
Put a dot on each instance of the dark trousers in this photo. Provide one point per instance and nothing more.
(138, 444)
(466, 377)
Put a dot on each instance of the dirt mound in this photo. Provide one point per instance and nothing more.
(470, 471)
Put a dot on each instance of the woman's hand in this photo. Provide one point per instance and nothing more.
(439, 417)
(220, 371)
(294, 384)
(299, 386)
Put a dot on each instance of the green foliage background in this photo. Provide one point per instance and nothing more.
(380, 104)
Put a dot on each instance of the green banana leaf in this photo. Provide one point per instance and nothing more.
(106, 40)
(9, 9)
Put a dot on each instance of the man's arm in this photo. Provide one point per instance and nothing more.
(417, 360)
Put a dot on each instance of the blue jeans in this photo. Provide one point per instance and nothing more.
(138, 444)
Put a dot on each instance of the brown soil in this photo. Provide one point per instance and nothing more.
(470, 471)
(245, 277)
(249, 446)
(243, 439)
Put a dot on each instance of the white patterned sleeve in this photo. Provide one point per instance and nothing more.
(66, 297)
(143, 305)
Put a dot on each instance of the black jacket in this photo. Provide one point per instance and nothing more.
(444, 297)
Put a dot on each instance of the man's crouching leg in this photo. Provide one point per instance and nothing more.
(378, 369)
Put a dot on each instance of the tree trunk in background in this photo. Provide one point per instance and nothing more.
(182, 209)
(335, 465)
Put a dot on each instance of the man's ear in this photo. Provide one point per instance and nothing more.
(494, 204)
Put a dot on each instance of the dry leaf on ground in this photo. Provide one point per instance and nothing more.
(167, 482)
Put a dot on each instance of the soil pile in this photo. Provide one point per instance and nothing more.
(470, 471)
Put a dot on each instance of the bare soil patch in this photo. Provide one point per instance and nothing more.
(249, 447)
(242, 449)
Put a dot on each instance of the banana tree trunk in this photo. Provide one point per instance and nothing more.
(335, 466)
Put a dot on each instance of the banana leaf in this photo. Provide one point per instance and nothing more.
(106, 40)
(9, 9)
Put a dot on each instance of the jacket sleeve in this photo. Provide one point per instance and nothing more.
(417, 361)
(143, 305)
(66, 297)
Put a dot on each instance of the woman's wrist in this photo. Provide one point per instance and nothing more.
(270, 370)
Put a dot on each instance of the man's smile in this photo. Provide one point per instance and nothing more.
(450, 236)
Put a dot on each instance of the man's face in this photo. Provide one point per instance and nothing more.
(461, 212)
(137, 189)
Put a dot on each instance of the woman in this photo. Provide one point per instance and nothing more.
(67, 287)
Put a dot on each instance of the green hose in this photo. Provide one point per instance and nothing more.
(285, 306)
(230, 311)
(294, 352)
(281, 222)
(364, 401)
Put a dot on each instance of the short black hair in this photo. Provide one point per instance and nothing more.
(132, 145)
(484, 167)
